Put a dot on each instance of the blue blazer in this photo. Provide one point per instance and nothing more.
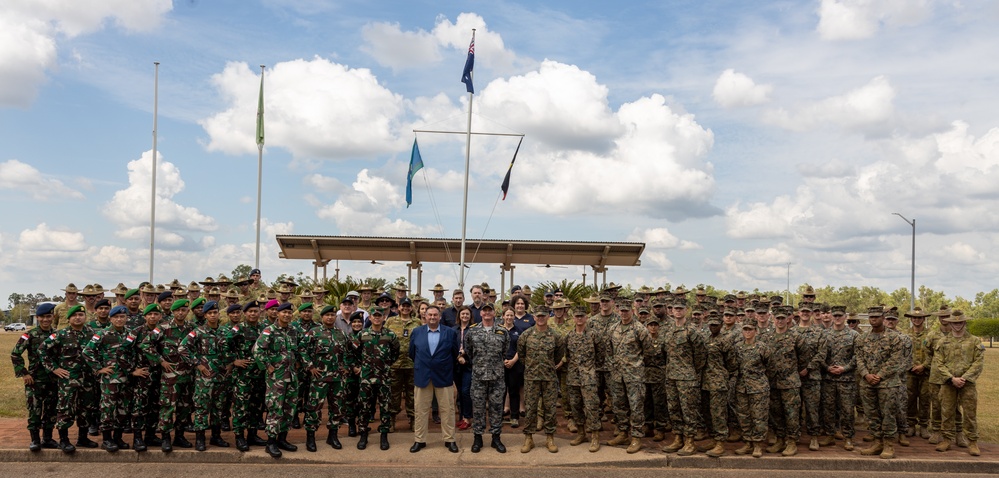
(439, 367)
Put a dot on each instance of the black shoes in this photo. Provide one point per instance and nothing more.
(179, 440)
(83, 442)
(384, 442)
(47, 441)
(497, 444)
(332, 439)
(137, 443)
(216, 439)
(108, 443)
(241, 444)
(417, 446)
(451, 446)
(310, 440)
(272, 448)
(199, 440)
(36, 441)
(165, 443)
(254, 440)
(64, 443)
(282, 442)
(363, 442)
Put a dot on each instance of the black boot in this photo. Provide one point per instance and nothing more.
(225, 422)
(351, 428)
(272, 448)
(152, 439)
(241, 444)
(108, 443)
(47, 441)
(310, 440)
(84, 441)
(295, 423)
(332, 439)
(64, 443)
(282, 442)
(362, 443)
(497, 444)
(36, 441)
(117, 439)
(477, 443)
(137, 443)
(165, 443)
(93, 431)
(216, 439)
(384, 443)
(199, 440)
(254, 440)
(180, 441)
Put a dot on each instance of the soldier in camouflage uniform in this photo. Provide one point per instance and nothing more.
(62, 356)
(352, 409)
(581, 376)
(918, 390)
(960, 358)
(810, 370)
(485, 346)
(879, 353)
(656, 410)
(248, 378)
(102, 318)
(598, 322)
(891, 323)
(752, 389)
(629, 344)
(133, 309)
(379, 350)
(839, 391)
(40, 386)
(304, 323)
(145, 387)
(686, 356)
(402, 326)
(324, 352)
(936, 379)
(176, 390)
(785, 383)
(276, 351)
(720, 366)
(540, 348)
(204, 351)
(111, 355)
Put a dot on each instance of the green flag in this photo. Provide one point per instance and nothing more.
(260, 112)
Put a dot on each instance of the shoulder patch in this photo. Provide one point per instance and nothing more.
(130, 338)
(156, 330)
(53, 336)
(25, 337)
(95, 337)
(192, 333)
(267, 331)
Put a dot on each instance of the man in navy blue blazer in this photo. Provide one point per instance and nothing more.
(434, 350)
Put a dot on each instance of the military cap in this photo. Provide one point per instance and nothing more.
(250, 304)
(776, 300)
(183, 303)
(328, 309)
(783, 311)
(233, 293)
(644, 310)
(805, 306)
(284, 289)
(365, 287)
(437, 288)
(152, 308)
(180, 292)
(700, 292)
(208, 282)
(197, 302)
(118, 309)
(713, 313)
(838, 310)
(354, 293)
(233, 308)
(605, 296)
(876, 311)
(271, 294)
(307, 296)
(593, 299)
(214, 291)
(71, 288)
(119, 289)
(223, 281)
(89, 290)
(272, 303)
(254, 272)
(44, 309)
(714, 320)
(347, 300)
(580, 311)
(377, 311)
(657, 302)
(103, 302)
(357, 316)
(210, 305)
(285, 306)
(487, 305)
(749, 326)
(549, 294)
(624, 304)
(175, 284)
(541, 310)
(492, 293)
(160, 288)
(383, 297)
(680, 304)
(406, 301)
(318, 291)
(680, 291)
(131, 292)
(660, 290)
(560, 304)
(892, 313)
(729, 311)
(809, 292)
(307, 305)
(164, 296)
(242, 282)
(852, 317)
(147, 289)
(612, 286)
(917, 313)
(741, 295)
(740, 312)
(193, 287)
(956, 316)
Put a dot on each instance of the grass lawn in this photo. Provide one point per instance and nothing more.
(12, 390)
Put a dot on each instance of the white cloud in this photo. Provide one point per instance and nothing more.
(963, 253)
(757, 265)
(736, 89)
(31, 30)
(317, 109)
(24, 178)
(859, 19)
(869, 107)
(364, 209)
(43, 239)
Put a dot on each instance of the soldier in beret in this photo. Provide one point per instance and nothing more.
(40, 386)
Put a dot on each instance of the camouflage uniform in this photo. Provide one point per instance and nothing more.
(134, 320)
(720, 366)
(581, 377)
(64, 349)
(917, 386)
(563, 387)
(41, 395)
(379, 350)
(326, 350)
(277, 347)
(811, 384)
(901, 393)
(839, 391)
(686, 355)
(752, 388)
(176, 389)
(628, 344)
(486, 349)
(540, 351)
(960, 357)
(205, 346)
(935, 380)
(248, 383)
(656, 411)
(785, 384)
(145, 390)
(304, 377)
(402, 369)
(115, 349)
(599, 324)
(879, 354)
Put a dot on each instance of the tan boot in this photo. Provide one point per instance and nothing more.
(813, 444)
(717, 450)
(580, 438)
(876, 448)
(745, 449)
(594, 442)
(675, 446)
(791, 449)
(838, 435)
(961, 440)
(973, 449)
(924, 432)
(889, 449)
(826, 441)
(903, 440)
(935, 438)
(659, 436)
(848, 445)
(757, 449)
(944, 445)
(777, 447)
(868, 438)
(688, 447)
(620, 438)
(571, 426)
(636, 444)
(550, 443)
(734, 435)
(528, 444)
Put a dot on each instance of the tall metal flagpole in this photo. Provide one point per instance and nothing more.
(152, 195)
(464, 207)
(260, 162)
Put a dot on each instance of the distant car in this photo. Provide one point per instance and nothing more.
(15, 326)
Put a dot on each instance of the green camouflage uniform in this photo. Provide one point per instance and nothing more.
(599, 324)
(96, 325)
(277, 347)
(839, 391)
(752, 388)
(881, 355)
(581, 377)
(43, 394)
(176, 391)
(204, 346)
(64, 349)
(960, 357)
(540, 352)
(720, 366)
(917, 387)
(811, 384)
(248, 383)
(485, 348)
(785, 384)
(685, 358)
(326, 350)
(628, 344)
(145, 390)
(379, 350)
(304, 377)
(116, 349)
(402, 369)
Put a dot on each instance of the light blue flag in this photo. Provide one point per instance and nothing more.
(415, 164)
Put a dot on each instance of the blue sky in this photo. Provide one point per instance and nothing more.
(732, 137)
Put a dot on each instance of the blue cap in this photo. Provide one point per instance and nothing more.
(210, 305)
(233, 308)
(44, 309)
(164, 295)
(285, 306)
(118, 309)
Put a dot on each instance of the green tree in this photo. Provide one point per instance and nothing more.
(984, 328)
(241, 271)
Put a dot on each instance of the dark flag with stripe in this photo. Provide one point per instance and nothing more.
(506, 180)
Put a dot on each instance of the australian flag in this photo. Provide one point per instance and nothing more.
(466, 74)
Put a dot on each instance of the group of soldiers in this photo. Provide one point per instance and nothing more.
(159, 361)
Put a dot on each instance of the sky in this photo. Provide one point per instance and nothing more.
(747, 144)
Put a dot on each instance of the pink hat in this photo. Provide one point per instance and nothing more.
(271, 303)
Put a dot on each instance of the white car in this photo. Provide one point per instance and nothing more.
(15, 326)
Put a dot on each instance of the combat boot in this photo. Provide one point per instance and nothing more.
(152, 439)
(911, 432)
(47, 441)
(497, 444)
(137, 443)
(199, 440)
(253, 439)
(827, 441)
(636, 444)
(848, 444)
(550, 443)
(659, 436)
(944, 445)
(717, 450)
(216, 439)
(36, 441)
(688, 447)
(961, 440)
(675, 446)
(903, 440)
(580, 438)
(594, 442)
(757, 449)
(180, 441)
(924, 432)
(241, 444)
(777, 447)
(108, 443)
(64, 443)
(362, 442)
(620, 438)
(384, 445)
(889, 449)
(83, 441)
(745, 449)
(477, 443)
(351, 428)
(875, 449)
(310, 440)
(332, 440)
(734, 435)
(295, 423)
(571, 426)
(272, 448)
(934, 438)
(973, 449)
(116, 436)
(165, 444)
(813, 444)
(282, 442)
(838, 435)
(528, 443)
(791, 449)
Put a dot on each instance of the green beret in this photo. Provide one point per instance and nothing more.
(178, 304)
(131, 292)
(152, 308)
(307, 305)
(328, 309)
(197, 302)
(73, 310)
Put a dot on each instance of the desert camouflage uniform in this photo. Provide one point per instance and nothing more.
(540, 352)
(205, 346)
(64, 349)
(402, 369)
(42, 395)
(917, 386)
(811, 384)
(176, 388)
(599, 324)
(379, 350)
(839, 391)
(581, 377)
(563, 387)
(277, 347)
(116, 349)
(685, 358)
(785, 384)
(486, 349)
(326, 350)
(935, 380)
(960, 357)
(881, 355)
(901, 393)
(628, 344)
(752, 388)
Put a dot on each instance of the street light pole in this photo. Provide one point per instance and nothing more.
(912, 290)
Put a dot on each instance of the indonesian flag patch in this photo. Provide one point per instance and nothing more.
(25, 337)
(267, 331)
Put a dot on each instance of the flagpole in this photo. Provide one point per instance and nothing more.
(152, 195)
(464, 207)
(260, 165)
